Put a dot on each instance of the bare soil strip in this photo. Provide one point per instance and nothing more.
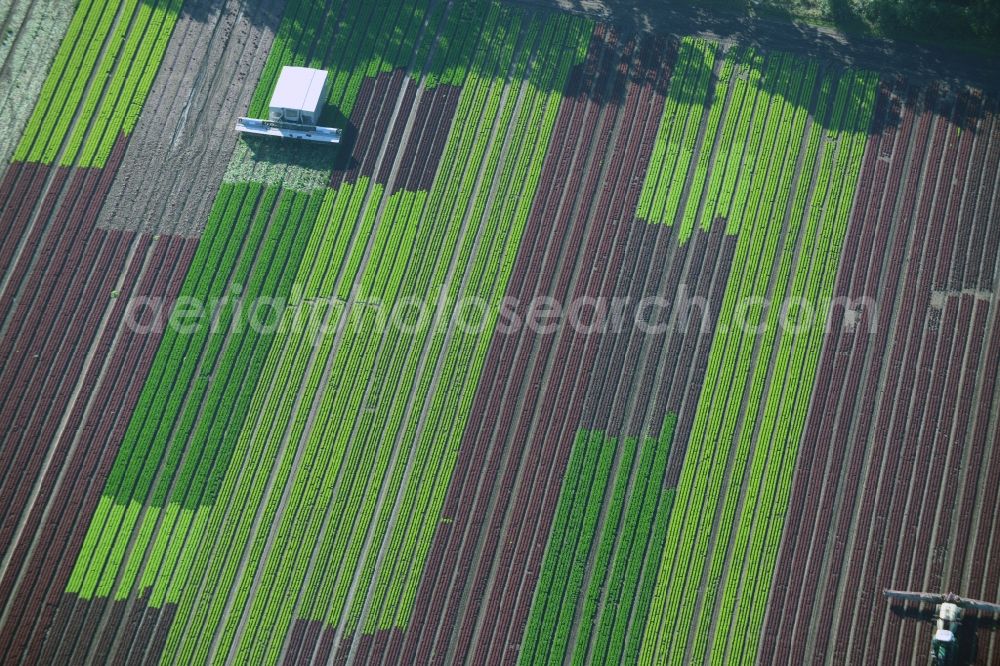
(211, 67)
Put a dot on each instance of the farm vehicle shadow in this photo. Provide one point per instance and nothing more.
(308, 155)
(968, 630)
(968, 633)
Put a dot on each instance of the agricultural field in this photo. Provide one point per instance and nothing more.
(28, 43)
(586, 345)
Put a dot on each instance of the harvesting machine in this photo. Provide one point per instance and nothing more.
(295, 108)
(947, 617)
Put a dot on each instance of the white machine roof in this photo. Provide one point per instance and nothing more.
(950, 612)
(944, 636)
(299, 88)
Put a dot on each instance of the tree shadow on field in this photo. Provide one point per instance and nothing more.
(600, 78)
(308, 26)
(260, 13)
(770, 81)
(771, 73)
(779, 30)
(343, 159)
(895, 92)
(686, 61)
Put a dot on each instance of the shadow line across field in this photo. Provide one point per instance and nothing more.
(915, 62)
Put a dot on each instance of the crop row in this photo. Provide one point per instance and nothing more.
(801, 358)
(56, 285)
(442, 561)
(870, 190)
(287, 368)
(779, 116)
(708, 479)
(75, 301)
(641, 564)
(65, 245)
(190, 481)
(575, 359)
(616, 600)
(772, 140)
(491, 267)
(396, 356)
(33, 35)
(36, 579)
(547, 99)
(682, 69)
(570, 541)
(809, 584)
(576, 34)
(821, 374)
(99, 81)
(719, 100)
(447, 411)
(160, 403)
(314, 34)
(74, 61)
(879, 505)
(690, 88)
(203, 523)
(934, 392)
(483, 480)
(354, 542)
(741, 102)
(923, 378)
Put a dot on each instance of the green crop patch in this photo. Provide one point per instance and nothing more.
(337, 427)
(99, 81)
(779, 163)
(315, 456)
(603, 551)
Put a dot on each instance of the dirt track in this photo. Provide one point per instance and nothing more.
(913, 61)
(186, 128)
